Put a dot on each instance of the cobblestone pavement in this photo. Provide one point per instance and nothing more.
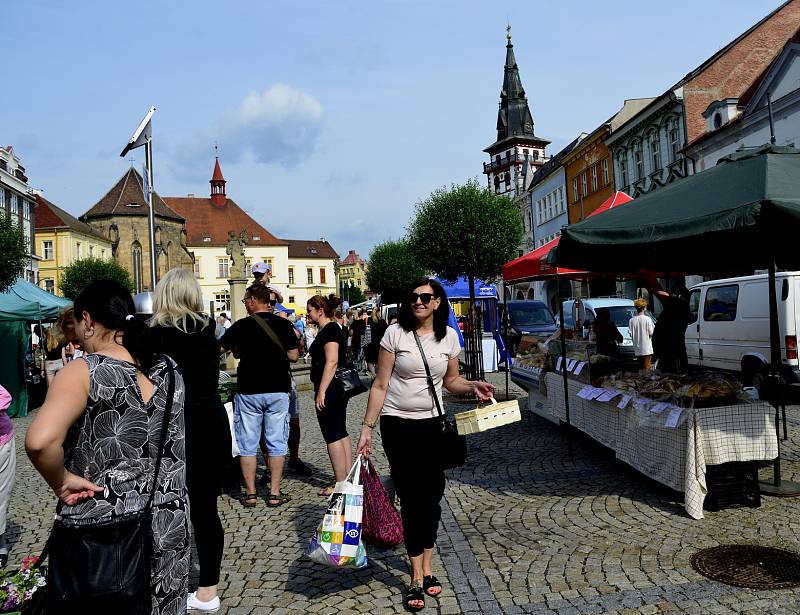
(526, 528)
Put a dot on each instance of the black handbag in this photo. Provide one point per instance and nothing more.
(105, 567)
(345, 385)
(452, 451)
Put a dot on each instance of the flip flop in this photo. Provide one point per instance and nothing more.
(431, 582)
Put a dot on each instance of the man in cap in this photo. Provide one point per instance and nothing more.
(261, 273)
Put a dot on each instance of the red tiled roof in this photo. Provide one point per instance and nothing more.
(352, 258)
(49, 216)
(302, 248)
(204, 219)
(126, 198)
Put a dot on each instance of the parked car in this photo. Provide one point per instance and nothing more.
(730, 326)
(529, 318)
(621, 311)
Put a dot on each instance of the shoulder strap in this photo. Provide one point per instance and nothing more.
(431, 386)
(164, 427)
(268, 330)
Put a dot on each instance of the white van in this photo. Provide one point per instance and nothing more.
(730, 325)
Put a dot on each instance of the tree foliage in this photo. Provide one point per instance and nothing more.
(466, 230)
(14, 249)
(392, 268)
(82, 272)
(353, 295)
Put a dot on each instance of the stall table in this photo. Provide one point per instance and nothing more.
(674, 456)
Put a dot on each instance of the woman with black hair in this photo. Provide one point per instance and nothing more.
(95, 438)
(410, 423)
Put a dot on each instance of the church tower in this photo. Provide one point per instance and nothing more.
(518, 152)
(217, 182)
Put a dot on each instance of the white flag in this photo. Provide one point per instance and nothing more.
(145, 182)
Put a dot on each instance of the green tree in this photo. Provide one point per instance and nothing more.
(14, 249)
(466, 230)
(82, 272)
(352, 294)
(392, 267)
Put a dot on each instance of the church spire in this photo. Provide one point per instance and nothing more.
(514, 117)
(217, 182)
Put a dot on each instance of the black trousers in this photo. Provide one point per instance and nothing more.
(209, 537)
(409, 444)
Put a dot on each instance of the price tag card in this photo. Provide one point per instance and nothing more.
(558, 364)
(673, 417)
(659, 407)
(623, 403)
(596, 393)
(585, 391)
(608, 395)
(579, 368)
(571, 364)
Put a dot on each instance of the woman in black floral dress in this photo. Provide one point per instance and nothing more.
(106, 410)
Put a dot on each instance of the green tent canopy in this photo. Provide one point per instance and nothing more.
(21, 304)
(737, 215)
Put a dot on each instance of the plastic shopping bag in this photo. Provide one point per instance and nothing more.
(337, 541)
(382, 525)
(234, 446)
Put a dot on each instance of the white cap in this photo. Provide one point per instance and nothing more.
(261, 267)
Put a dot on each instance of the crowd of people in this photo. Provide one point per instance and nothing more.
(96, 438)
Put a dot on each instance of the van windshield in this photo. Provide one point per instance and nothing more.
(621, 314)
(530, 315)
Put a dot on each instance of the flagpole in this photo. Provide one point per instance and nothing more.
(151, 223)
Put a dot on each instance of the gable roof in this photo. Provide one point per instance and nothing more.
(302, 248)
(208, 224)
(352, 258)
(126, 198)
(555, 161)
(50, 216)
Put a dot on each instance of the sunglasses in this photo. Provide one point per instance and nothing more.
(424, 297)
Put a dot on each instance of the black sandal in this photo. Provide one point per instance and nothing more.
(274, 501)
(415, 594)
(250, 500)
(431, 582)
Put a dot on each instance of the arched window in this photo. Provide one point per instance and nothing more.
(136, 258)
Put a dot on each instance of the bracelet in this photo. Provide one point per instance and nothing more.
(368, 424)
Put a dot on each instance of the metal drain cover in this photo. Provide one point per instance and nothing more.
(749, 566)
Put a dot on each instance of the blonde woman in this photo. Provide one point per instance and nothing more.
(181, 330)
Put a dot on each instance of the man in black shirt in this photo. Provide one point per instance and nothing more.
(262, 396)
(669, 335)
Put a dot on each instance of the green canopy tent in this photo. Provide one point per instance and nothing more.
(20, 305)
(743, 213)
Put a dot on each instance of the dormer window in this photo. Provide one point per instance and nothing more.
(313, 250)
(256, 237)
(717, 120)
(206, 238)
(133, 205)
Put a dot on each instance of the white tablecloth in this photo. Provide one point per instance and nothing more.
(674, 456)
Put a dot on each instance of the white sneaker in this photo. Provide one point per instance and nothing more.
(193, 604)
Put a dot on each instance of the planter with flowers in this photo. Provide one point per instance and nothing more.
(17, 587)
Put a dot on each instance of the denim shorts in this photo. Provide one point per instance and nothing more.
(294, 402)
(261, 413)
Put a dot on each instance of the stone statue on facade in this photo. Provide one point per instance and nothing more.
(235, 250)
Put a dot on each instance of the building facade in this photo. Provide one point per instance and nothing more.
(312, 271)
(649, 151)
(353, 273)
(121, 216)
(734, 124)
(61, 239)
(18, 201)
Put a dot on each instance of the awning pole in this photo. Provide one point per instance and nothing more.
(564, 364)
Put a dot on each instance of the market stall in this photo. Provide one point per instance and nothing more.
(20, 306)
(702, 224)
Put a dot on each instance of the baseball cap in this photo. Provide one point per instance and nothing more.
(261, 267)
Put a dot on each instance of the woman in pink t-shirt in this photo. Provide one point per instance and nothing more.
(410, 423)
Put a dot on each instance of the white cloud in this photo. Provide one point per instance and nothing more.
(280, 126)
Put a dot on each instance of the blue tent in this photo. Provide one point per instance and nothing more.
(459, 289)
(279, 307)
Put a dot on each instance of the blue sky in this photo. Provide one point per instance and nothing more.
(332, 118)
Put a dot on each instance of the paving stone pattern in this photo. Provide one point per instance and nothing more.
(526, 528)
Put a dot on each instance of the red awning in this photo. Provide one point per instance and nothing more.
(616, 199)
(534, 265)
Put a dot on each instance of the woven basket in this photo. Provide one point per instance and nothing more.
(488, 417)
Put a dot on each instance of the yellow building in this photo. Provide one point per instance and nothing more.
(311, 271)
(353, 272)
(62, 239)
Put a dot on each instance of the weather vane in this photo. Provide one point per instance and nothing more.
(508, 31)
